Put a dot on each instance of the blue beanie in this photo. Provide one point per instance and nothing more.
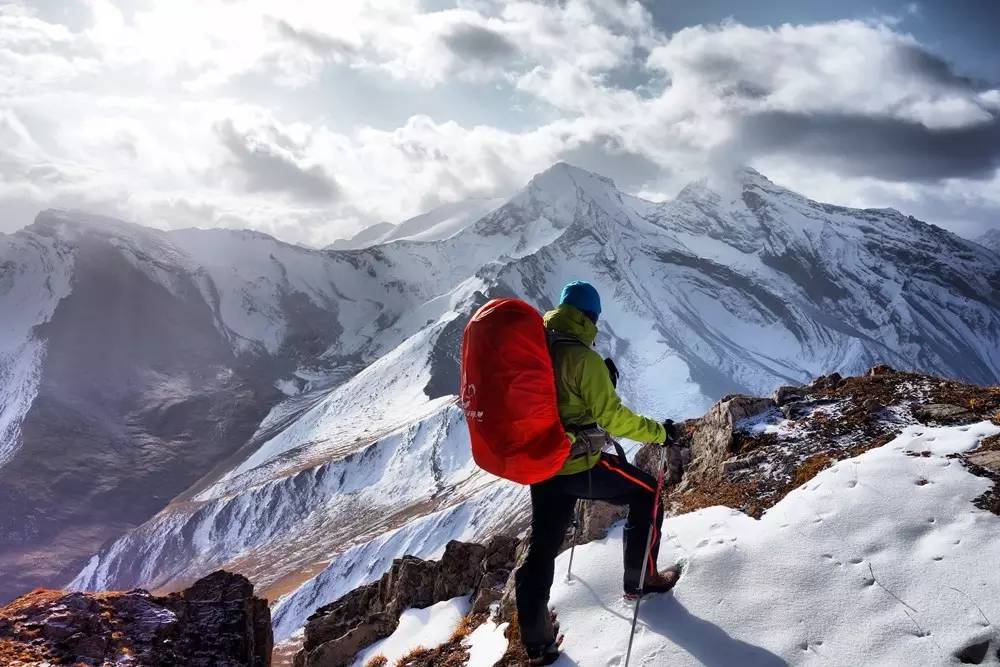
(583, 296)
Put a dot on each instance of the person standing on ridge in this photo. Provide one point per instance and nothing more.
(590, 410)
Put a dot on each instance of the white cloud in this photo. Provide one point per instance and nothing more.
(846, 67)
(155, 116)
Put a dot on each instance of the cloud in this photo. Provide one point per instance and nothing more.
(237, 116)
(824, 68)
(880, 147)
(478, 43)
(271, 166)
(319, 43)
(607, 155)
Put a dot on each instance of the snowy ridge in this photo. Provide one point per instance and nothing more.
(991, 240)
(436, 225)
(880, 559)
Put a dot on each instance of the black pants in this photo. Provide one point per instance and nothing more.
(613, 480)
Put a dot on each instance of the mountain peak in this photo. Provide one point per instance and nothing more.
(69, 224)
(562, 174)
(562, 185)
(728, 183)
(747, 175)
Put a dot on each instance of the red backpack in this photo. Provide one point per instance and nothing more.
(509, 393)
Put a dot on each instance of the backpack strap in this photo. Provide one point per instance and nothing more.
(560, 338)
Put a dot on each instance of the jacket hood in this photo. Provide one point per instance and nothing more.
(570, 320)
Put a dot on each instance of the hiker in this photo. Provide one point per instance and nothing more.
(590, 411)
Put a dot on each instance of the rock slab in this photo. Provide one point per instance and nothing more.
(336, 632)
(217, 622)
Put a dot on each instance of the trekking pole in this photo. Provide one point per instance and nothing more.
(576, 534)
(649, 548)
(577, 521)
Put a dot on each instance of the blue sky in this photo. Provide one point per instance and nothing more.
(310, 120)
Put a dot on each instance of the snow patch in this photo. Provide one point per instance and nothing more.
(418, 628)
(487, 644)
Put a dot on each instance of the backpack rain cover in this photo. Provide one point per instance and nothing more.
(509, 393)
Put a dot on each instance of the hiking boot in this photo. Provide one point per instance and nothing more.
(546, 654)
(659, 582)
(543, 655)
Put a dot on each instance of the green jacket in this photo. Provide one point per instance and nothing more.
(586, 395)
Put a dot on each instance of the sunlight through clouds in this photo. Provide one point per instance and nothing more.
(214, 113)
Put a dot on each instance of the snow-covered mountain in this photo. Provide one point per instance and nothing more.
(435, 225)
(305, 428)
(368, 236)
(991, 239)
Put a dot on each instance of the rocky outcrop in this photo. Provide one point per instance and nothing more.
(750, 452)
(336, 632)
(715, 437)
(217, 622)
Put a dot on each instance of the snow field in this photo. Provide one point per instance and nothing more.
(879, 560)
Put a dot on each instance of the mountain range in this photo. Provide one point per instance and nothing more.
(172, 402)
(435, 225)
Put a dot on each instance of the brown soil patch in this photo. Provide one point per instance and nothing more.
(741, 496)
(984, 402)
(811, 467)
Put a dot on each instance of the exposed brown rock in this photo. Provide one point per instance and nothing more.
(217, 622)
(336, 632)
(714, 438)
(941, 413)
(787, 394)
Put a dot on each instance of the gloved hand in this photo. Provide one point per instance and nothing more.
(671, 429)
(678, 455)
(678, 459)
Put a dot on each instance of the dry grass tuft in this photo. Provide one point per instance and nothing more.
(453, 653)
(465, 626)
(515, 655)
(415, 656)
(377, 661)
(738, 495)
